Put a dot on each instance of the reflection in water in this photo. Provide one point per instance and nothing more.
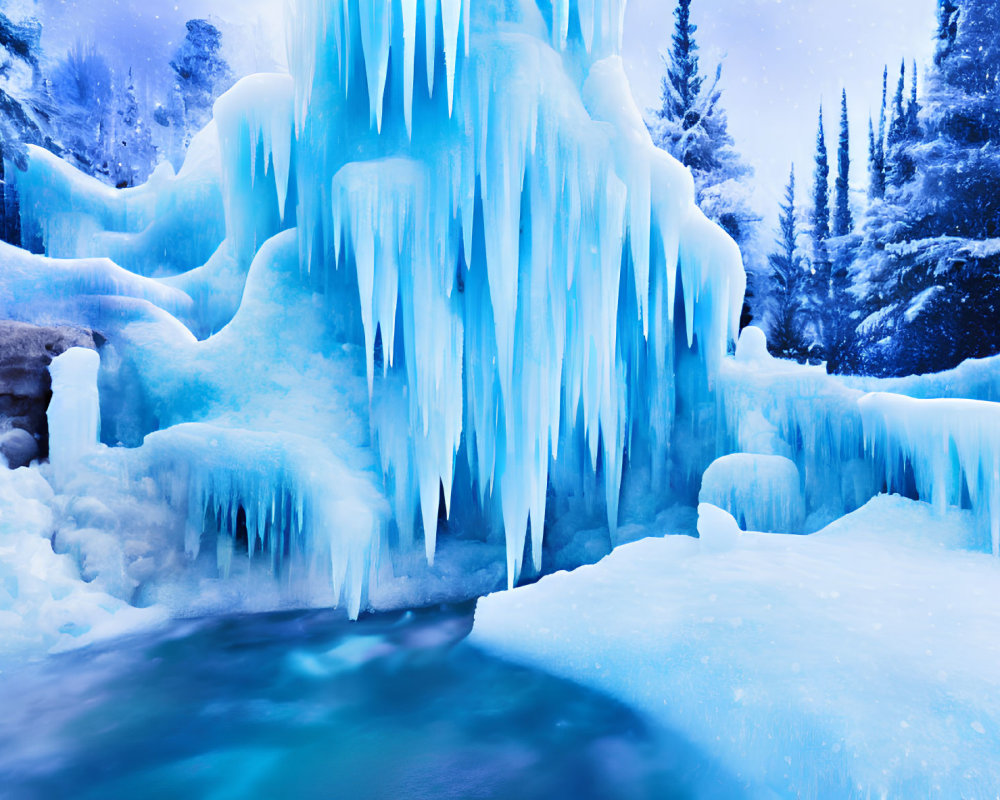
(305, 705)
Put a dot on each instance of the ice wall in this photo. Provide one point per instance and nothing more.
(932, 437)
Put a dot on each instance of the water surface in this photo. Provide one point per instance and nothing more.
(307, 705)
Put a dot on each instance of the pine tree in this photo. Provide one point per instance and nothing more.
(895, 171)
(785, 334)
(82, 92)
(133, 153)
(23, 116)
(913, 110)
(842, 220)
(929, 271)
(876, 165)
(691, 124)
(682, 83)
(897, 128)
(820, 233)
(821, 190)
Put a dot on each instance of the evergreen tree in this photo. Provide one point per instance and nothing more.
(842, 249)
(913, 110)
(785, 330)
(896, 140)
(133, 153)
(83, 94)
(820, 233)
(842, 220)
(682, 83)
(897, 128)
(691, 124)
(23, 117)
(876, 166)
(929, 271)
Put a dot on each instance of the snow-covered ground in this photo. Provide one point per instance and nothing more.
(860, 661)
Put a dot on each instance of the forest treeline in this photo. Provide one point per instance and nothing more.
(82, 107)
(903, 281)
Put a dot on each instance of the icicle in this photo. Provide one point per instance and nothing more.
(451, 17)
(409, 9)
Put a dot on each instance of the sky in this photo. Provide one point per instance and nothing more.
(781, 58)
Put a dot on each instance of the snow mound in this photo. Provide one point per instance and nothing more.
(858, 662)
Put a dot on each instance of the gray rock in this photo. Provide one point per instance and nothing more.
(25, 385)
(18, 447)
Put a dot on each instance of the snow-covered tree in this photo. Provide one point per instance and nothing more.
(929, 271)
(841, 248)
(876, 148)
(817, 288)
(133, 154)
(786, 278)
(843, 221)
(83, 96)
(23, 119)
(691, 124)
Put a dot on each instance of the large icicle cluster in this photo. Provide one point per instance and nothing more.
(516, 238)
(478, 205)
(280, 498)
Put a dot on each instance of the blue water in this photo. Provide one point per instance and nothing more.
(306, 705)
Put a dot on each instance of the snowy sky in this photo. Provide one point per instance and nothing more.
(781, 57)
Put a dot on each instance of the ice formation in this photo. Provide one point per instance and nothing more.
(438, 274)
(478, 206)
(950, 447)
(762, 492)
(516, 241)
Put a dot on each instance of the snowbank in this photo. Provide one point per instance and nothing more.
(857, 662)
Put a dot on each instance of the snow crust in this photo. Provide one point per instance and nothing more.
(858, 662)
(45, 605)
